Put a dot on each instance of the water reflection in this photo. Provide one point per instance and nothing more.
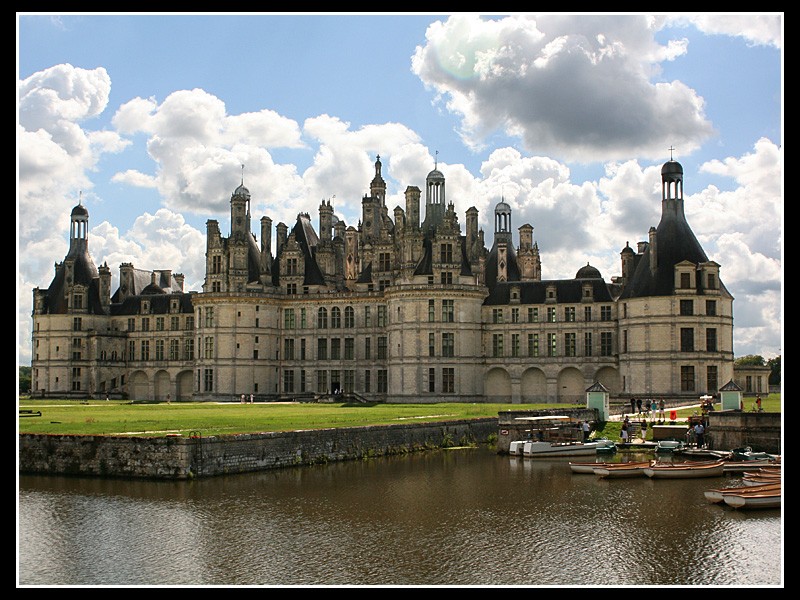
(459, 517)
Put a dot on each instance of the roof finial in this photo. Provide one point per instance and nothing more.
(242, 174)
(80, 197)
(670, 151)
(436, 161)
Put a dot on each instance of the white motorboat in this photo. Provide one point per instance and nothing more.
(543, 449)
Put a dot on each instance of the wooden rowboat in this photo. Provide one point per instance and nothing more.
(740, 466)
(620, 470)
(769, 499)
(756, 481)
(685, 470)
(715, 496)
(585, 468)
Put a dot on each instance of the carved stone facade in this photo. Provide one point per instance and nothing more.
(388, 310)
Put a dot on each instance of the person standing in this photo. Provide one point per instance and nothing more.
(661, 407)
(699, 434)
(758, 403)
(586, 430)
(639, 405)
(624, 432)
(633, 405)
(644, 430)
(251, 398)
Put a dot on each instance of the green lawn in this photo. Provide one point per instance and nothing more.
(100, 417)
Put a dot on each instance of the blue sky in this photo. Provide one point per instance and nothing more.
(147, 119)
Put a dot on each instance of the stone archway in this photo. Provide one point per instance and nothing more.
(183, 386)
(162, 386)
(139, 386)
(609, 377)
(571, 387)
(497, 386)
(533, 386)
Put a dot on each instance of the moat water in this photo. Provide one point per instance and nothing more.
(462, 517)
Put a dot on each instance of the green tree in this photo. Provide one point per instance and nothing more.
(775, 374)
(24, 380)
(750, 360)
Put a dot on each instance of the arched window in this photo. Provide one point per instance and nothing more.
(349, 317)
(336, 318)
(322, 318)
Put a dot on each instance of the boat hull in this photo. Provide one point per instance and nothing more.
(716, 496)
(684, 471)
(765, 500)
(548, 449)
(621, 470)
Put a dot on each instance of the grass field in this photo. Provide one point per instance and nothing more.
(100, 417)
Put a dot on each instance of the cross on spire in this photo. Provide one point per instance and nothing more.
(671, 149)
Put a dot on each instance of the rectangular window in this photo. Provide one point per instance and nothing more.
(131, 350)
(302, 380)
(189, 323)
(188, 349)
(448, 380)
(77, 301)
(687, 308)
(336, 348)
(686, 281)
(77, 324)
(382, 347)
(448, 311)
(383, 381)
(302, 348)
(551, 314)
(515, 345)
(208, 380)
(446, 253)
(216, 264)
(552, 348)
(687, 339)
(288, 349)
(208, 347)
(570, 344)
(448, 344)
(145, 350)
(431, 344)
(288, 381)
(302, 318)
(146, 324)
(431, 311)
(711, 308)
(606, 344)
(497, 315)
(587, 343)
(210, 316)
(349, 380)
(291, 266)
(174, 349)
(533, 314)
(712, 379)
(533, 344)
(159, 323)
(605, 313)
(497, 345)
(349, 349)
(159, 349)
(291, 289)
(446, 277)
(431, 380)
(131, 324)
(368, 348)
(76, 379)
(711, 339)
(381, 316)
(624, 340)
(288, 318)
(569, 314)
(515, 315)
(384, 261)
(367, 381)
(322, 382)
(712, 281)
(322, 318)
(322, 349)
(174, 323)
(687, 379)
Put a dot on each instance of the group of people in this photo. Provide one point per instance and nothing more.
(649, 408)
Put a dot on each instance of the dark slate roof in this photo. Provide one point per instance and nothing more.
(253, 259)
(597, 387)
(366, 275)
(588, 272)
(159, 304)
(675, 243)
(466, 268)
(731, 386)
(84, 273)
(425, 264)
(307, 239)
(512, 269)
(568, 291)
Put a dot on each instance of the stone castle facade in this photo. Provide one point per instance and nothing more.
(400, 308)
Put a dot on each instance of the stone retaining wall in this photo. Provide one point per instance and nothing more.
(730, 429)
(189, 457)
